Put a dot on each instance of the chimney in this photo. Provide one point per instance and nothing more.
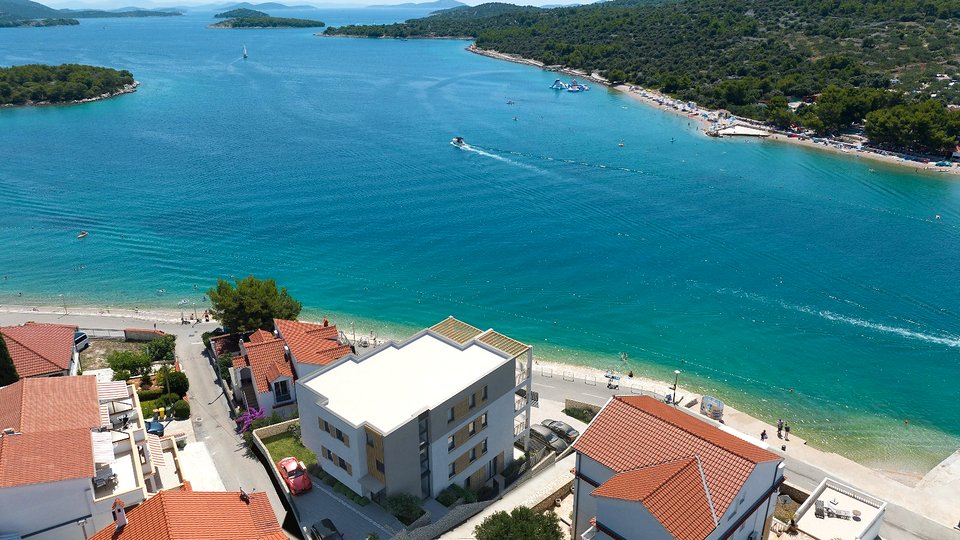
(119, 514)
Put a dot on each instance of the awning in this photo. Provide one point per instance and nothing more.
(156, 450)
(374, 485)
(102, 446)
(105, 415)
(112, 390)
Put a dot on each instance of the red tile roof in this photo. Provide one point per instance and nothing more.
(52, 418)
(672, 492)
(198, 515)
(51, 456)
(632, 432)
(260, 335)
(38, 348)
(50, 404)
(225, 343)
(312, 343)
(267, 360)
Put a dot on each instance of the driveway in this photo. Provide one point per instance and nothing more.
(354, 521)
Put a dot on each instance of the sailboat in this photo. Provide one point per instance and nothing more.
(244, 52)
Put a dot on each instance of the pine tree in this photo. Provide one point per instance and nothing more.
(8, 372)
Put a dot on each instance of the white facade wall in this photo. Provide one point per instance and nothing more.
(629, 520)
(315, 439)
(499, 435)
(760, 480)
(585, 504)
(27, 509)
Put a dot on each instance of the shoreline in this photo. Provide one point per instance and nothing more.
(909, 469)
(666, 103)
(927, 494)
(126, 89)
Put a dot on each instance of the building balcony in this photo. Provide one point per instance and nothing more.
(122, 475)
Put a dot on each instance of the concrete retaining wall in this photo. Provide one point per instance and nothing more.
(795, 493)
(574, 404)
(454, 517)
(142, 334)
(258, 436)
(548, 502)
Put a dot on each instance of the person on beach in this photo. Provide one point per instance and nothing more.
(780, 428)
(786, 432)
(763, 435)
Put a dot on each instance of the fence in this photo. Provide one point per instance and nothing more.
(264, 453)
(104, 333)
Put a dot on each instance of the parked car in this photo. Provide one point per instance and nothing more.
(294, 474)
(562, 429)
(81, 341)
(547, 437)
(324, 530)
(154, 428)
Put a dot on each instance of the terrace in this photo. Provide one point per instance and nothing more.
(117, 469)
(835, 511)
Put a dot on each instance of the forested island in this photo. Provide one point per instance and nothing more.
(262, 20)
(37, 84)
(240, 12)
(884, 67)
(11, 22)
(26, 13)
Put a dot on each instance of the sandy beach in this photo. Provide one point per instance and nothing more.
(669, 104)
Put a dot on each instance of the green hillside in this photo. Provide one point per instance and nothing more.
(751, 57)
(240, 12)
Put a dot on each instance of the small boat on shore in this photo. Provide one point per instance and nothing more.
(83, 234)
(458, 142)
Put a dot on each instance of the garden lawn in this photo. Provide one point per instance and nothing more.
(284, 444)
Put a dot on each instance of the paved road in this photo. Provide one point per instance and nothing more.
(899, 523)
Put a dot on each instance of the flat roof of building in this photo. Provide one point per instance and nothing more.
(397, 382)
(838, 497)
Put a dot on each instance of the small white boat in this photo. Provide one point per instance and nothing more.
(82, 234)
(458, 141)
(244, 52)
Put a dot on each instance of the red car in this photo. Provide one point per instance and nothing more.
(294, 473)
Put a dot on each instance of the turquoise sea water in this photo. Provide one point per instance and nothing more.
(791, 283)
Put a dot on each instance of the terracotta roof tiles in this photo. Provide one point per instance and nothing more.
(312, 343)
(672, 492)
(50, 404)
(39, 349)
(48, 456)
(267, 360)
(639, 431)
(198, 515)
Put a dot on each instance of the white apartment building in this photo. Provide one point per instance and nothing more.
(439, 408)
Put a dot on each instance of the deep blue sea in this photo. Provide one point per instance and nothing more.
(791, 283)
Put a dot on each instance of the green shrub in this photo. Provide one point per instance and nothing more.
(170, 398)
(583, 415)
(224, 363)
(146, 380)
(513, 470)
(485, 493)
(447, 497)
(120, 374)
(150, 395)
(404, 506)
(178, 383)
(181, 410)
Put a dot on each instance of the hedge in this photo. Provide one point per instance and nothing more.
(181, 410)
(150, 395)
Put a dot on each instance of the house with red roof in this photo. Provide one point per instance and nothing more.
(266, 364)
(69, 448)
(649, 470)
(186, 514)
(41, 349)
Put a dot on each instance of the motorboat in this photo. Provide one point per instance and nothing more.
(82, 234)
(458, 141)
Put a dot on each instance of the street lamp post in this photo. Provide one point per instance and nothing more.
(64, 304)
(676, 381)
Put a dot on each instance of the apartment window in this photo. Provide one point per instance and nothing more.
(369, 440)
(483, 394)
(466, 483)
(483, 447)
(322, 423)
(328, 454)
(452, 470)
(341, 463)
(450, 443)
(483, 420)
(326, 426)
(450, 415)
(339, 435)
(282, 391)
(472, 429)
(473, 454)
(380, 466)
(473, 400)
